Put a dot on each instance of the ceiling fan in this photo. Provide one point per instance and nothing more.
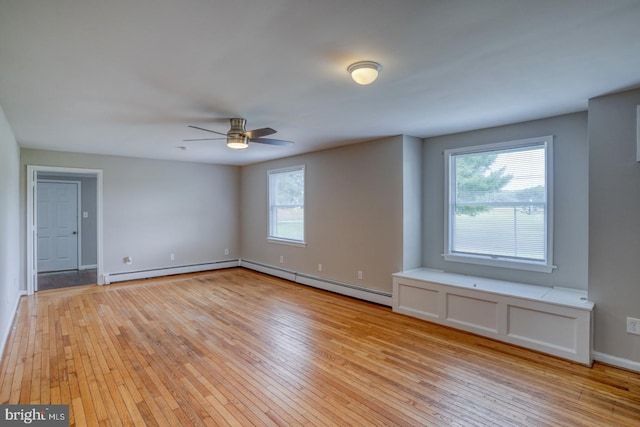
(238, 137)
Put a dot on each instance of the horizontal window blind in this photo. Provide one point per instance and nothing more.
(498, 202)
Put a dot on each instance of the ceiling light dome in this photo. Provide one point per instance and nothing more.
(364, 72)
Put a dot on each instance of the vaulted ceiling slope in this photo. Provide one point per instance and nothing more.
(126, 77)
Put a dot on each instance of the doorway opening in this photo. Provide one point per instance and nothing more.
(64, 225)
(49, 280)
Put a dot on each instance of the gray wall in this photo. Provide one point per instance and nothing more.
(89, 225)
(353, 208)
(614, 225)
(570, 199)
(10, 277)
(153, 208)
(412, 203)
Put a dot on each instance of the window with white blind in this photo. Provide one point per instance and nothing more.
(286, 205)
(498, 204)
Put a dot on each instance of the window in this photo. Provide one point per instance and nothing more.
(286, 204)
(498, 204)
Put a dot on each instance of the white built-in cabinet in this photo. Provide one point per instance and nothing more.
(553, 320)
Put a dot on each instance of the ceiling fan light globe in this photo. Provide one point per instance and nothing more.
(237, 142)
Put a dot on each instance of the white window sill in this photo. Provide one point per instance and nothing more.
(286, 242)
(502, 263)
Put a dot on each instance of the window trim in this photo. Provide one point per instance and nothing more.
(496, 261)
(281, 240)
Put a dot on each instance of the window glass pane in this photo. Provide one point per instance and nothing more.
(289, 188)
(286, 204)
(512, 232)
(289, 223)
(500, 176)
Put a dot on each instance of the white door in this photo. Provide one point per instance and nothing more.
(57, 226)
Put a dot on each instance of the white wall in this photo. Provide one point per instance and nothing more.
(571, 241)
(354, 211)
(153, 208)
(614, 223)
(10, 277)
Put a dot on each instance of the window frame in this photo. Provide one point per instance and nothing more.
(545, 266)
(270, 206)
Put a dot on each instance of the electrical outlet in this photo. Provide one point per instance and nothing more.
(172, 257)
(633, 325)
(226, 251)
(281, 259)
(319, 267)
(359, 275)
(127, 260)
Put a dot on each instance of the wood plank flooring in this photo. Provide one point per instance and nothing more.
(235, 347)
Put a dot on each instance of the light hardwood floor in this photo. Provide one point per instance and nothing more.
(234, 347)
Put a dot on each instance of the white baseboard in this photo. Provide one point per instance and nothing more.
(618, 362)
(87, 267)
(371, 295)
(5, 334)
(168, 271)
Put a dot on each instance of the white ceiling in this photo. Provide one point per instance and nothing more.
(126, 77)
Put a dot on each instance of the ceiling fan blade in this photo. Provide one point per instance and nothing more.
(203, 139)
(208, 130)
(271, 141)
(257, 133)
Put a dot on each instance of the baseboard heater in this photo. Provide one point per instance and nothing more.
(168, 271)
(371, 295)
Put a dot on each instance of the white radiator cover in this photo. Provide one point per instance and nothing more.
(556, 321)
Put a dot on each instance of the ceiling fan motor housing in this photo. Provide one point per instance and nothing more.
(236, 137)
(237, 127)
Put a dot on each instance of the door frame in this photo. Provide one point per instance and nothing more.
(78, 219)
(32, 218)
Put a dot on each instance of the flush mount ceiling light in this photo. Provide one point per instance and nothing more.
(364, 72)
